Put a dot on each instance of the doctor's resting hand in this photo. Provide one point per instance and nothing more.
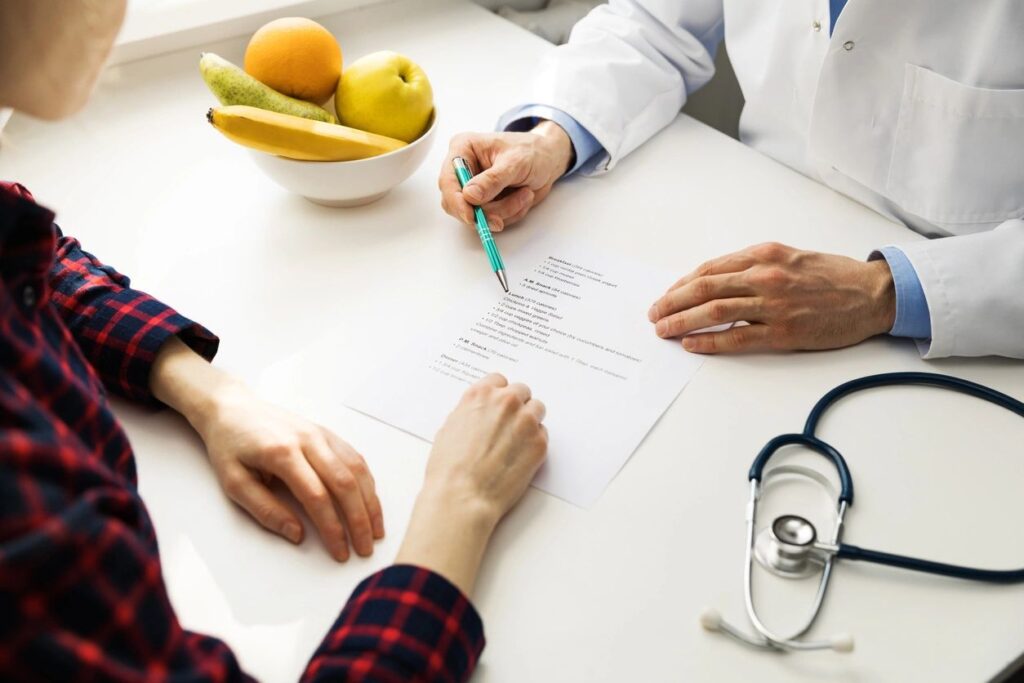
(513, 172)
(791, 300)
(251, 442)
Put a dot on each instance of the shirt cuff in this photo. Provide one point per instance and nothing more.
(134, 327)
(912, 316)
(407, 620)
(585, 146)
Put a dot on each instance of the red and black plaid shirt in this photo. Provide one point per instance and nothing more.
(81, 592)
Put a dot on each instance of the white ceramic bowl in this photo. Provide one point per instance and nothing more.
(347, 183)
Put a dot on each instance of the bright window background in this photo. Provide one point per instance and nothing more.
(155, 26)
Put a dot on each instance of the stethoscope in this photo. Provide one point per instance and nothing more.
(789, 547)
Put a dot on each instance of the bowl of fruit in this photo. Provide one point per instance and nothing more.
(338, 137)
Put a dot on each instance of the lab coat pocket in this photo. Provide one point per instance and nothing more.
(956, 156)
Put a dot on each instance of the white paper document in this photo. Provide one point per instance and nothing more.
(575, 329)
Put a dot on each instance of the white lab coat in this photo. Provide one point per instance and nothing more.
(915, 108)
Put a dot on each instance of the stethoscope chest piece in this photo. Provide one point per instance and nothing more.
(788, 548)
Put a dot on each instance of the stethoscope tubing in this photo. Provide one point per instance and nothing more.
(957, 384)
(835, 549)
(809, 439)
(1007, 576)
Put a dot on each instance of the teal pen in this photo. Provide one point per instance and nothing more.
(463, 173)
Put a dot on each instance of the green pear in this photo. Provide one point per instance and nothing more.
(232, 85)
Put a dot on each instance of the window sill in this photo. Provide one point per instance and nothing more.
(149, 31)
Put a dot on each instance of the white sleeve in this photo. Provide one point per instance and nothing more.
(974, 285)
(627, 69)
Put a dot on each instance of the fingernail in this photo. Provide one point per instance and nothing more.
(291, 531)
(497, 225)
(652, 314)
(473, 193)
(661, 328)
(378, 527)
(689, 343)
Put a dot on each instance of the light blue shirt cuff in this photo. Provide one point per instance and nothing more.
(912, 317)
(527, 116)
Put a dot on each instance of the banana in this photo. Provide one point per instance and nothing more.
(232, 85)
(295, 137)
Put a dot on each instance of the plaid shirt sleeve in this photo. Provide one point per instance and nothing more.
(119, 329)
(82, 596)
(401, 624)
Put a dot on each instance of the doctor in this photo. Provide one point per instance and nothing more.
(913, 108)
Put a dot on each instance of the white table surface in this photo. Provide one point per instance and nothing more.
(308, 299)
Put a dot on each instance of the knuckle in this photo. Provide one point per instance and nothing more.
(759, 251)
(359, 525)
(739, 336)
(267, 515)
(358, 467)
(771, 277)
(704, 269)
(509, 402)
(718, 311)
(703, 287)
(280, 452)
(305, 433)
(319, 497)
(769, 251)
(345, 482)
(528, 422)
(233, 485)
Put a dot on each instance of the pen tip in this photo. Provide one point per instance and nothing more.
(502, 279)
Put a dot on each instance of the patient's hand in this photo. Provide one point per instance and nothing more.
(251, 442)
(792, 299)
(483, 460)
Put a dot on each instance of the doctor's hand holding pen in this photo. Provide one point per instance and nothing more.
(513, 172)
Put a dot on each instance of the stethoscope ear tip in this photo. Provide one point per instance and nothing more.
(711, 619)
(842, 642)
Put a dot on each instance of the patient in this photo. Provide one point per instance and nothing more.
(81, 591)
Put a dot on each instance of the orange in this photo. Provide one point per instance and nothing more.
(297, 57)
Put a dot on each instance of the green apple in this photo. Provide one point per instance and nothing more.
(385, 93)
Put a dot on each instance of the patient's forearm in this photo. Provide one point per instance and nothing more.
(186, 382)
(447, 536)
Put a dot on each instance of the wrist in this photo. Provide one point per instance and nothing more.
(448, 534)
(883, 294)
(470, 513)
(558, 143)
(186, 382)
